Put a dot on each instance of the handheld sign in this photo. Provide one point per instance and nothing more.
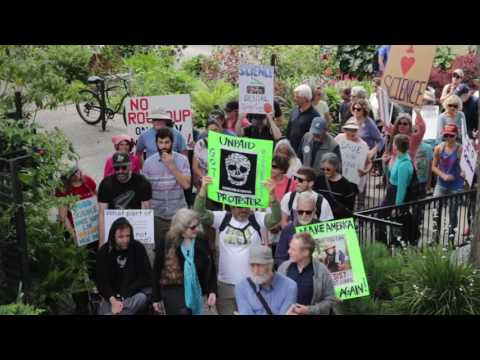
(238, 167)
(256, 89)
(337, 247)
(178, 106)
(85, 221)
(385, 107)
(141, 221)
(468, 160)
(430, 115)
(407, 73)
(354, 156)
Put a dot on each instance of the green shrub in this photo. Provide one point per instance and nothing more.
(19, 309)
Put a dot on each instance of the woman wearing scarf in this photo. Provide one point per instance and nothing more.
(184, 268)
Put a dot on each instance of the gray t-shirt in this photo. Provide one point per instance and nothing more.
(167, 194)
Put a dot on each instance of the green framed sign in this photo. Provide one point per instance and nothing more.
(238, 167)
(338, 248)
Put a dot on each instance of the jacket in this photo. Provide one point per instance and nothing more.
(204, 264)
(136, 274)
(323, 299)
(310, 152)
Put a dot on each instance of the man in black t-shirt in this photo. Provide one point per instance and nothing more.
(122, 190)
(263, 127)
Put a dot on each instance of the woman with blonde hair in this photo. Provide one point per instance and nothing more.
(452, 115)
(184, 268)
(449, 89)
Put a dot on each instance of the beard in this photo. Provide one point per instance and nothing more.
(124, 177)
(261, 279)
(168, 151)
(304, 221)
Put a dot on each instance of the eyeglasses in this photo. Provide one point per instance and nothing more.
(304, 212)
(404, 123)
(326, 169)
(449, 136)
(193, 227)
(300, 180)
(117, 168)
(455, 106)
(357, 109)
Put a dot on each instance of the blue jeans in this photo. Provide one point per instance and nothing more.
(453, 205)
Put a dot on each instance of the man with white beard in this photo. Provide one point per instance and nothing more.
(305, 215)
(265, 292)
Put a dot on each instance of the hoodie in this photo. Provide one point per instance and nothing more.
(122, 272)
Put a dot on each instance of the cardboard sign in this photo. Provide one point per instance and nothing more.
(407, 73)
(85, 221)
(354, 156)
(238, 167)
(430, 115)
(469, 156)
(337, 247)
(141, 221)
(256, 89)
(385, 106)
(178, 106)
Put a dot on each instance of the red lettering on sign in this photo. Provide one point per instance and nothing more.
(144, 104)
(141, 118)
(134, 104)
(186, 113)
(131, 118)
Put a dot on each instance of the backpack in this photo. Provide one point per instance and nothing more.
(318, 205)
(252, 221)
(413, 189)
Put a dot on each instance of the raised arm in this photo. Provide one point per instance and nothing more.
(206, 216)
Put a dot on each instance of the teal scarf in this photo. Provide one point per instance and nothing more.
(193, 291)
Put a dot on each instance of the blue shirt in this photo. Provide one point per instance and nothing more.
(383, 52)
(371, 135)
(147, 142)
(279, 297)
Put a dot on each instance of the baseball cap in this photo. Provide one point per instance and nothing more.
(120, 159)
(351, 124)
(450, 129)
(319, 124)
(462, 89)
(260, 254)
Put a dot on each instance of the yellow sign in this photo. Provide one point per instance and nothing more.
(407, 73)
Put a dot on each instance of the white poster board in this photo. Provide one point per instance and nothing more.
(178, 106)
(430, 115)
(469, 156)
(256, 89)
(385, 106)
(354, 156)
(85, 221)
(141, 221)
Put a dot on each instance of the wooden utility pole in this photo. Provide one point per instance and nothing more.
(475, 250)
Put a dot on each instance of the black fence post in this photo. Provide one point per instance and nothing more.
(18, 105)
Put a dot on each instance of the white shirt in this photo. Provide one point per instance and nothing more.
(234, 247)
(325, 213)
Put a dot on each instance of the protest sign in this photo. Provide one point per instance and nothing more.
(178, 106)
(385, 106)
(468, 160)
(238, 168)
(354, 156)
(256, 89)
(337, 247)
(407, 73)
(430, 115)
(141, 221)
(85, 221)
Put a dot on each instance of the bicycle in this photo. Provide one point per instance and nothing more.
(98, 104)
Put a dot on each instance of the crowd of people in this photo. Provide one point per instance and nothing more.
(251, 261)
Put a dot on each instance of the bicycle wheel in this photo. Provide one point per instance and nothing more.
(89, 107)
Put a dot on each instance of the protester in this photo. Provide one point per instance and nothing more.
(315, 143)
(449, 89)
(284, 148)
(315, 290)
(345, 105)
(452, 115)
(147, 140)
(184, 268)
(283, 183)
(446, 165)
(321, 105)
(123, 272)
(237, 231)
(305, 178)
(169, 174)
(262, 127)
(424, 158)
(231, 115)
(305, 214)
(339, 192)
(75, 183)
(123, 143)
(360, 93)
(383, 53)
(301, 117)
(368, 131)
(469, 107)
(265, 292)
(217, 117)
(123, 190)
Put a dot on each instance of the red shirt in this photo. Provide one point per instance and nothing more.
(281, 188)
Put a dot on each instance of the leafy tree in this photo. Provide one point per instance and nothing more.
(356, 60)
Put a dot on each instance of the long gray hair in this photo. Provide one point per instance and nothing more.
(181, 222)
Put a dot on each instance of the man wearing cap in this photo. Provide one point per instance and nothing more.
(122, 190)
(315, 143)
(469, 108)
(169, 174)
(146, 142)
(301, 117)
(265, 292)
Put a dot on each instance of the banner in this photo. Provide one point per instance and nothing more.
(468, 161)
(178, 106)
(354, 156)
(141, 221)
(256, 89)
(385, 106)
(407, 73)
(337, 247)
(85, 221)
(238, 167)
(430, 115)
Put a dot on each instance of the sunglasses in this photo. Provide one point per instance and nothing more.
(453, 106)
(193, 227)
(404, 123)
(357, 109)
(300, 180)
(326, 169)
(456, 76)
(304, 212)
(449, 136)
(117, 168)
